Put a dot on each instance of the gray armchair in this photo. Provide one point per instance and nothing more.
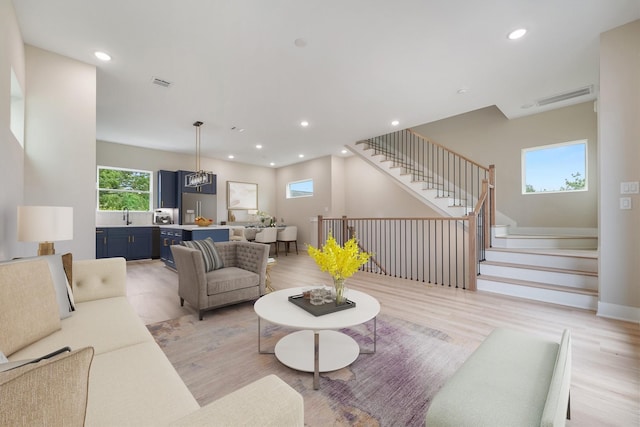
(241, 279)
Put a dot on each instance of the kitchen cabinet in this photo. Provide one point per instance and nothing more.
(168, 237)
(167, 191)
(101, 242)
(205, 189)
(127, 242)
(217, 234)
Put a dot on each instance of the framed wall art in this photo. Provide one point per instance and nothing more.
(242, 195)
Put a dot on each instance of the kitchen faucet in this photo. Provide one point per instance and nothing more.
(125, 216)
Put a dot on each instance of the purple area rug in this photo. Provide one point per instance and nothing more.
(392, 387)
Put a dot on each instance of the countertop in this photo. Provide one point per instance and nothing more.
(174, 226)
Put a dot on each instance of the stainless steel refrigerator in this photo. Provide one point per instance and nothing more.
(195, 205)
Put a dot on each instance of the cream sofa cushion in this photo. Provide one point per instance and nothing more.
(136, 386)
(287, 410)
(106, 324)
(28, 306)
(52, 392)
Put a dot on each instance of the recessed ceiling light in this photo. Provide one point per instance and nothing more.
(344, 151)
(103, 56)
(304, 123)
(258, 146)
(272, 164)
(231, 156)
(516, 34)
(301, 155)
(395, 123)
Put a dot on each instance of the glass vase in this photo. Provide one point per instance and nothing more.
(341, 290)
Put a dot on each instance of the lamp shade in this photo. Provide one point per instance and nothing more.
(45, 223)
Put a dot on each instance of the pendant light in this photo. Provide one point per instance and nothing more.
(199, 177)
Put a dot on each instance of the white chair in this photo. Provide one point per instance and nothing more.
(268, 236)
(288, 235)
(237, 234)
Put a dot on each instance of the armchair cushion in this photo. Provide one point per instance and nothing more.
(230, 279)
(210, 255)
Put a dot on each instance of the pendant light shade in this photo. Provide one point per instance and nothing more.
(199, 177)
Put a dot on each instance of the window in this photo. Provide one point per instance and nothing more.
(555, 168)
(300, 189)
(17, 109)
(120, 189)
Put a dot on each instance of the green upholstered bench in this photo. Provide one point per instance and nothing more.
(512, 379)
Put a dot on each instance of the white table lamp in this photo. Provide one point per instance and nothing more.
(45, 224)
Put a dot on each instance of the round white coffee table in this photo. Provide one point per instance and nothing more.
(318, 346)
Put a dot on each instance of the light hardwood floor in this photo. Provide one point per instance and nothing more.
(605, 387)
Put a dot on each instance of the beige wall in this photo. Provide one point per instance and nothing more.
(619, 126)
(11, 152)
(301, 211)
(487, 137)
(372, 194)
(60, 143)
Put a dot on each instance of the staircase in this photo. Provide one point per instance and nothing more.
(542, 265)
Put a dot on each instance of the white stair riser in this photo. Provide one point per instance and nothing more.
(541, 260)
(539, 294)
(550, 277)
(515, 242)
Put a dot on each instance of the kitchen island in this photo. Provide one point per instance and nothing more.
(174, 234)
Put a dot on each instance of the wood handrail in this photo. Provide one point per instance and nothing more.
(430, 141)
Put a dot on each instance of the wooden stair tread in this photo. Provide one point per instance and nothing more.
(539, 285)
(541, 268)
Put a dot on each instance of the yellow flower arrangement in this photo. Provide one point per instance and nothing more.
(339, 262)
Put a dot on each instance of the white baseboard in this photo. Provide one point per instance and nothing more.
(619, 312)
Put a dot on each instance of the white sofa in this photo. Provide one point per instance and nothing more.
(512, 379)
(131, 382)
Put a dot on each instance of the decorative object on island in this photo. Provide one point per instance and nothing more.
(265, 218)
(199, 177)
(45, 224)
(203, 222)
(339, 261)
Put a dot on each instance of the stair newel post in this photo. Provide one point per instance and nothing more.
(492, 194)
(345, 230)
(320, 231)
(486, 226)
(473, 251)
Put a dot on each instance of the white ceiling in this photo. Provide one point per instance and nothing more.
(365, 63)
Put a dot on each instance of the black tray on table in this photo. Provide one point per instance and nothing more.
(319, 310)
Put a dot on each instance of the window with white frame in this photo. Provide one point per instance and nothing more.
(120, 188)
(555, 168)
(302, 188)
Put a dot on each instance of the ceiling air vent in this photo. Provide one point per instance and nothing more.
(160, 82)
(565, 96)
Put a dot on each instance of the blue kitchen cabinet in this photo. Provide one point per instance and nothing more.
(101, 242)
(217, 234)
(128, 242)
(168, 237)
(167, 190)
